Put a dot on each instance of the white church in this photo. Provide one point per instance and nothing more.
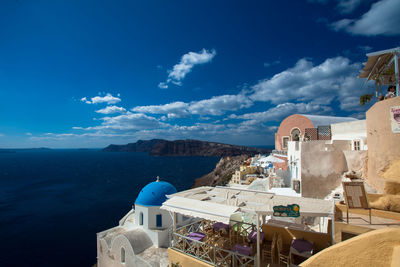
(143, 234)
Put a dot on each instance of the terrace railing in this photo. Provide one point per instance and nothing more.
(208, 253)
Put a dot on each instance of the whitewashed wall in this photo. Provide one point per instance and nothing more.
(351, 131)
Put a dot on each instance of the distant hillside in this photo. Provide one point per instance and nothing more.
(160, 147)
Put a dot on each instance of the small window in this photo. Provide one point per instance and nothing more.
(296, 186)
(356, 144)
(285, 142)
(141, 218)
(122, 255)
(159, 220)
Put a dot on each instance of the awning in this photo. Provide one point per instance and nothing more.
(380, 65)
(274, 159)
(219, 203)
(200, 209)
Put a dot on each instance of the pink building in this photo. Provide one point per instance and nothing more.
(298, 127)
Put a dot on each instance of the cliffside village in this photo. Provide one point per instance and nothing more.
(328, 195)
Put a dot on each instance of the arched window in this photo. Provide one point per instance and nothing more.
(122, 255)
(141, 218)
(295, 134)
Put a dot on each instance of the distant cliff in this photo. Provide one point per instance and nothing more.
(160, 147)
(222, 173)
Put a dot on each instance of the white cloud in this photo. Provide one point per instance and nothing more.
(382, 19)
(29, 134)
(283, 110)
(128, 122)
(173, 110)
(215, 106)
(365, 48)
(186, 64)
(72, 136)
(348, 6)
(108, 98)
(111, 110)
(1, 134)
(163, 85)
(335, 78)
(343, 6)
(269, 64)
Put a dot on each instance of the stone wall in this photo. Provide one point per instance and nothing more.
(383, 144)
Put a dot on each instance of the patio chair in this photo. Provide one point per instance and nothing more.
(232, 237)
(268, 250)
(283, 253)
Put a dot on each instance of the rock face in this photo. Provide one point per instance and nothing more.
(159, 147)
(222, 173)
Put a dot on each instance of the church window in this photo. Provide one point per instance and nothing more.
(159, 220)
(141, 218)
(122, 255)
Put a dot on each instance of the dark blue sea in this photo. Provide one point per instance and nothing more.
(53, 202)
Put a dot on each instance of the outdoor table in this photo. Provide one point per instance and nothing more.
(301, 248)
(242, 249)
(219, 225)
(253, 236)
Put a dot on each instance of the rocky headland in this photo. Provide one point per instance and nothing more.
(188, 147)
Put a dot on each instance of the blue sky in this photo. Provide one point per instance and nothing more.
(91, 73)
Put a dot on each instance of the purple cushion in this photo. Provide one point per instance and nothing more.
(302, 245)
(196, 234)
(253, 236)
(245, 250)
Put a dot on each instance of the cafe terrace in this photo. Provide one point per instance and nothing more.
(220, 236)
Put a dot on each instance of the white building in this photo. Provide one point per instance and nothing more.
(143, 234)
(327, 158)
(353, 131)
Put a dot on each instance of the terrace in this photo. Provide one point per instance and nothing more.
(221, 237)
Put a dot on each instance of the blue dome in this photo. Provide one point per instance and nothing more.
(154, 194)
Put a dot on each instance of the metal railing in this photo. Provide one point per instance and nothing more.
(206, 252)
